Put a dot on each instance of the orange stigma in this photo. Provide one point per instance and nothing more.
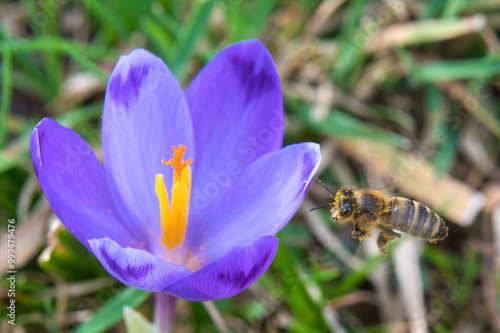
(177, 163)
(174, 215)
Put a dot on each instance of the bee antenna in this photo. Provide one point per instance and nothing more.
(326, 188)
(322, 206)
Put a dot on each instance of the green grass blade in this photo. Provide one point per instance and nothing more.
(113, 26)
(481, 6)
(112, 311)
(236, 22)
(49, 315)
(434, 110)
(432, 9)
(448, 70)
(260, 12)
(83, 61)
(446, 153)
(58, 44)
(29, 77)
(342, 124)
(352, 19)
(131, 11)
(453, 8)
(295, 294)
(357, 276)
(80, 52)
(351, 45)
(7, 86)
(18, 150)
(53, 69)
(189, 35)
(246, 20)
(160, 40)
(440, 328)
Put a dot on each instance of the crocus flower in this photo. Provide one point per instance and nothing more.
(197, 222)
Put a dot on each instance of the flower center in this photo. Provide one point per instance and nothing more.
(174, 215)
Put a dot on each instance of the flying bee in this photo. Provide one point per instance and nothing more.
(367, 209)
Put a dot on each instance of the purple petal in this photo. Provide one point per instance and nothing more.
(236, 107)
(230, 274)
(73, 182)
(145, 114)
(137, 268)
(260, 201)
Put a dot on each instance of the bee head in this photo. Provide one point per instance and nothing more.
(344, 204)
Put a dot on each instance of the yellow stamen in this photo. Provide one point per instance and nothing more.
(174, 218)
(161, 192)
(180, 204)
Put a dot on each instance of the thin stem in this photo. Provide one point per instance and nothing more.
(164, 312)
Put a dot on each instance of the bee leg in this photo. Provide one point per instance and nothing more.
(359, 233)
(356, 233)
(383, 239)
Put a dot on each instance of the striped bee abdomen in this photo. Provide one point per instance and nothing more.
(416, 219)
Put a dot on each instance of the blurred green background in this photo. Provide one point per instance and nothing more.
(403, 96)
